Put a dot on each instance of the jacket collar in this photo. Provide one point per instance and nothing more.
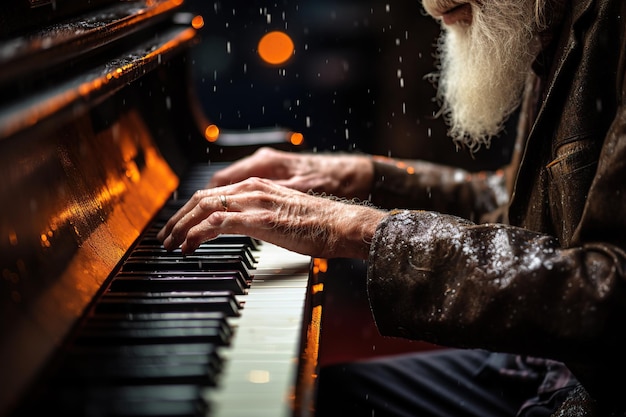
(568, 42)
(571, 36)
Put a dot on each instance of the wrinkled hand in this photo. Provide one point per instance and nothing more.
(348, 176)
(260, 208)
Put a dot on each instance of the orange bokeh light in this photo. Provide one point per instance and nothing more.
(296, 138)
(197, 22)
(211, 133)
(275, 47)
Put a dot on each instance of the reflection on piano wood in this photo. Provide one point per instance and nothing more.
(96, 318)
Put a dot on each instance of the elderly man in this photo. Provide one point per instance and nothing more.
(520, 272)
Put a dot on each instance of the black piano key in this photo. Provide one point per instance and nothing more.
(190, 315)
(137, 355)
(235, 242)
(150, 408)
(180, 281)
(160, 255)
(191, 263)
(150, 246)
(128, 373)
(160, 328)
(149, 236)
(130, 353)
(212, 333)
(163, 302)
(101, 323)
(130, 393)
(125, 401)
(114, 365)
(75, 365)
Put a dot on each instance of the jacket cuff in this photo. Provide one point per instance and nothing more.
(399, 269)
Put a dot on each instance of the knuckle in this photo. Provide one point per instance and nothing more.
(264, 151)
(176, 232)
(192, 239)
(205, 204)
(197, 196)
(253, 183)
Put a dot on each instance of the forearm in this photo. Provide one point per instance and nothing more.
(354, 228)
(427, 186)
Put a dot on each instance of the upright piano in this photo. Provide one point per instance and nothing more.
(101, 140)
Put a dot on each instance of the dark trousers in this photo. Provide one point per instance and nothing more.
(439, 383)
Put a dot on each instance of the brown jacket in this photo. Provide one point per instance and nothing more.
(551, 281)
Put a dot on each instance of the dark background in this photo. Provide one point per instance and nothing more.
(355, 82)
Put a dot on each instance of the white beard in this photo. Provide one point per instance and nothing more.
(484, 67)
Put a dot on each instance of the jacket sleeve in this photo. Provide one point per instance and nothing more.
(449, 281)
(428, 186)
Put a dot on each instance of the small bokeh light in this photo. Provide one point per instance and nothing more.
(296, 138)
(211, 133)
(197, 22)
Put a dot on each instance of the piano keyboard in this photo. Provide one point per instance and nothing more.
(216, 333)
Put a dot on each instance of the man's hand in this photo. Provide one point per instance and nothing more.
(260, 208)
(348, 176)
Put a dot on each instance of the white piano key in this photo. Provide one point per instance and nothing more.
(260, 367)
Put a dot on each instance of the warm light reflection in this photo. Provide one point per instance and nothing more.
(319, 265)
(197, 22)
(13, 238)
(211, 133)
(398, 164)
(301, 399)
(124, 73)
(296, 138)
(317, 288)
(275, 48)
(313, 338)
(132, 171)
(103, 197)
(44, 241)
(115, 188)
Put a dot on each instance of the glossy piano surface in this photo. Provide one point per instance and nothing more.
(98, 128)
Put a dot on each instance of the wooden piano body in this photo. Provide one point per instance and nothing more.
(100, 137)
(98, 130)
